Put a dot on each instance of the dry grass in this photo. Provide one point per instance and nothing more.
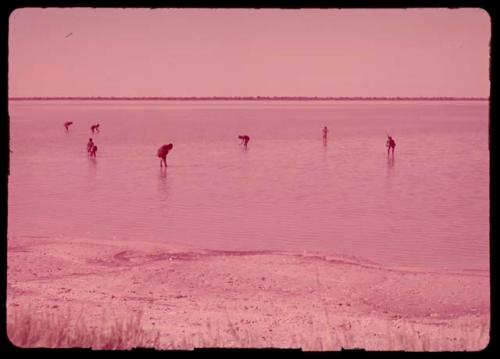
(348, 335)
(29, 329)
(401, 336)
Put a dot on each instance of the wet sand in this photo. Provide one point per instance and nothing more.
(250, 299)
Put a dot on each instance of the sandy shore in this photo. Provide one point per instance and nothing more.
(250, 299)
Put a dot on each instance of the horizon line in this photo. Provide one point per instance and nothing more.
(253, 98)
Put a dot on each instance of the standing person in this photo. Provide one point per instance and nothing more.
(244, 140)
(67, 124)
(90, 145)
(94, 128)
(325, 133)
(391, 145)
(93, 150)
(163, 152)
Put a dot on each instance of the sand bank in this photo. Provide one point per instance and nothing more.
(198, 298)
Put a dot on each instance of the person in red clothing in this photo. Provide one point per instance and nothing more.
(93, 151)
(163, 152)
(244, 140)
(391, 145)
(94, 128)
(325, 134)
(90, 144)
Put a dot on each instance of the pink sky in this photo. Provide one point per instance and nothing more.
(240, 52)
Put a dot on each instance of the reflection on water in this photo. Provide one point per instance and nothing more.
(163, 174)
(289, 190)
(92, 161)
(390, 164)
(163, 184)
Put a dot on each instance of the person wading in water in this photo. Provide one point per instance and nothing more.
(391, 145)
(325, 134)
(93, 151)
(90, 145)
(94, 128)
(162, 153)
(67, 124)
(244, 140)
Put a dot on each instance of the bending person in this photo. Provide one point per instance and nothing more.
(244, 140)
(163, 152)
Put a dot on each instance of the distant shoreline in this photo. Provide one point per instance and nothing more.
(249, 98)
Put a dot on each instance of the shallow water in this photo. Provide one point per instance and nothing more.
(429, 207)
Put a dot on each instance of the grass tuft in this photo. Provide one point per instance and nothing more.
(31, 329)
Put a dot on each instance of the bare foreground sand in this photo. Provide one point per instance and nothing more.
(250, 299)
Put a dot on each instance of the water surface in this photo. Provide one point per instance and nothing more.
(428, 207)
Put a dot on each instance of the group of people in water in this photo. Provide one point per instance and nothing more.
(91, 146)
(165, 149)
(93, 128)
(390, 144)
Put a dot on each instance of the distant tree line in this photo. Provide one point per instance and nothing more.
(258, 98)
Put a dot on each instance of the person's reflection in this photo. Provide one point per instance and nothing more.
(162, 182)
(390, 165)
(92, 165)
(163, 173)
(325, 152)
